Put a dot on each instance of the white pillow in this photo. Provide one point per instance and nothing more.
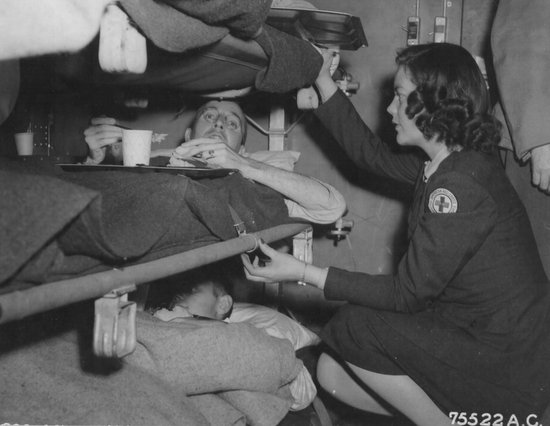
(274, 323)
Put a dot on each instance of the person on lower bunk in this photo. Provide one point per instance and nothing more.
(217, 136)
(202, 294)
(462, 327)
(199, 293)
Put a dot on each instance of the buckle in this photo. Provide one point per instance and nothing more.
(240, 228)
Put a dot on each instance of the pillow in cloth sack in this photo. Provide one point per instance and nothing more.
(274, 323)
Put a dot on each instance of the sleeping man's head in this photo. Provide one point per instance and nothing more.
(201, 292)
(207, 299)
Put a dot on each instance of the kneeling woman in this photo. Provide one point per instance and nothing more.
(463, 324)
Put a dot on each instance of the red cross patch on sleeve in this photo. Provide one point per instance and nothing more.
(442, 201)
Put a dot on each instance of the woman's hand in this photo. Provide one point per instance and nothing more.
(324, 82)
(330, 59)
(280, 267)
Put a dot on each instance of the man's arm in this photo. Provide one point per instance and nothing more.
(307, 198)
(314, 200)
(102, 132)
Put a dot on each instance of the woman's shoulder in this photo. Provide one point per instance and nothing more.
(466, 177)
(473, 176)
(472, 164)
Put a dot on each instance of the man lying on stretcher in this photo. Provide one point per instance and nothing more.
(202, 295)
(217, 136)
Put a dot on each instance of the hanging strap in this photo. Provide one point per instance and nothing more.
(238, 223)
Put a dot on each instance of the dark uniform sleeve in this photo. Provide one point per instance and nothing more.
(457, 216)
(362, 146)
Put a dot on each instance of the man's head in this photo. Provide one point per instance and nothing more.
(223, 120)
(205, 298)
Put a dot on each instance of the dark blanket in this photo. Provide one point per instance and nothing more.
(59, 224)
(180, 25)
(293, 63)
(184, 25)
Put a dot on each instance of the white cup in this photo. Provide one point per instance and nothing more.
(136, 147)
(24, 143)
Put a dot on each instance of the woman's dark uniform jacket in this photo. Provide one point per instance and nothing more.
(466, 313)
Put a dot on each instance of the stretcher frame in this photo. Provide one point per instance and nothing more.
(115, 284)
(21, 304)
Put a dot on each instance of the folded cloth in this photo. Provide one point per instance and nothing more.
(64, 224)
(142, 212)
(293, 63)
(211, 356)
(217, 411)
(246, 367)
(260, 408)
(35, 208)
(51, 377)
(181, 25)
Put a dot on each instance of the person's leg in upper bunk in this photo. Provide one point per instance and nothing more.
(217, 138)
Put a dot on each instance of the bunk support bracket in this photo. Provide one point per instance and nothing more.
(115, 324)
(302, 247)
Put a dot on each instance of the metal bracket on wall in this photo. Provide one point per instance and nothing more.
(302, 247)
(276, 132)
(277, 128)
(446, 16)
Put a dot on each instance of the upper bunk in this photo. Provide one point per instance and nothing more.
(207, 59)
(82, 228)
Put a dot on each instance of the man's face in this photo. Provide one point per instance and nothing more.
(222, 120)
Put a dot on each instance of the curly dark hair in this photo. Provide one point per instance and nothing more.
(451, 100)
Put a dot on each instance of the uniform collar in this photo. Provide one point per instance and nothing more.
(430, 167)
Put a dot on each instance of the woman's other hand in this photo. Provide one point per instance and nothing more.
(324, 82)
(282, 267)
(279, 267)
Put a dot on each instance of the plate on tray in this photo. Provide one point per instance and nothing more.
(192, 172)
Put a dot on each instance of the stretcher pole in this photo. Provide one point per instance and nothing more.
(20, 304)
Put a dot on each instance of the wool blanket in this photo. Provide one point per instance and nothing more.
(57, 225)
(186, 374)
